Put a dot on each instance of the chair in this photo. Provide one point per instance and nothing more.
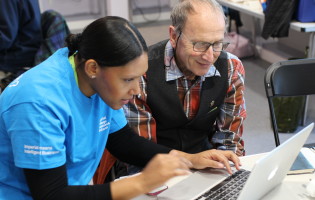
(289, 78)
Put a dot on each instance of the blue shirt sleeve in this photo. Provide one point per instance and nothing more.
(36, 136)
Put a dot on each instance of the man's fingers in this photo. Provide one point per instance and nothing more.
(234, 158)
(223, 157)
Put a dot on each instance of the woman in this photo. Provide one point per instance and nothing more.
(57, 118)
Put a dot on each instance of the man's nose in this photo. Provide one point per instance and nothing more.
(208, 54)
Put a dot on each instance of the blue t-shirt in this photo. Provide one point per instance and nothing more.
(45, 122)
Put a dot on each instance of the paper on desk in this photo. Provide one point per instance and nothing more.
(304, 163)
(254, 5)
(309, 154)
(251, 4)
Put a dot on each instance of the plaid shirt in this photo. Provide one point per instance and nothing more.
(55, 31)
(230, 120)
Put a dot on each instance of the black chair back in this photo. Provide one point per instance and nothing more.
(288, 78)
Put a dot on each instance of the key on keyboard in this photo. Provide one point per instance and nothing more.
(229, 188)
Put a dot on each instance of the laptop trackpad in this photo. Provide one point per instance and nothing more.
(204, 179)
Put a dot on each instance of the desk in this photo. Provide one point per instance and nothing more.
(251, 8)
(292, 188)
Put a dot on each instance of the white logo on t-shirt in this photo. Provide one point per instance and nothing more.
(39, 150)
(104, 124)
(15, 82)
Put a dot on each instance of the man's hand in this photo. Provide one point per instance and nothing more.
(240, 151)
(212, 158)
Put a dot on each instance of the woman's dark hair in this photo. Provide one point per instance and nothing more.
(110, 41)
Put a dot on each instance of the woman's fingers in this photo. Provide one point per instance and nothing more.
(163, 167)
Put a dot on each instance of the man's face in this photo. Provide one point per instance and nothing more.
(205, 26)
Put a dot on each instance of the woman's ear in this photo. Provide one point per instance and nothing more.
(91, 68)
(173, 36)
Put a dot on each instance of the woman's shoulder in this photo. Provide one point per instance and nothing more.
(43, 81)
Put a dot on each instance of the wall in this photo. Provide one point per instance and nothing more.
(75, 8)
(80, 13)
(118, 8)
(149, 11)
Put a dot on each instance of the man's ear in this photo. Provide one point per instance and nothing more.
(173, 35)
(91, 68)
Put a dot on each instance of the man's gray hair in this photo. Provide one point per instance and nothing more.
(184, 7)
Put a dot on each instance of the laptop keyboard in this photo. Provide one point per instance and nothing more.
(228, 189)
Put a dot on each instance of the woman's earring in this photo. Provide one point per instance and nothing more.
(93, 76)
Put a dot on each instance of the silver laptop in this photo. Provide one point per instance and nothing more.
(267, 173)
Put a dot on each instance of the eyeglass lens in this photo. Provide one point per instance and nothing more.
(204, 46)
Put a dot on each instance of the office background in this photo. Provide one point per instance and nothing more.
(152, 19)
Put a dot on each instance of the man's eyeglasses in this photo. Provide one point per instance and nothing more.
(204, 46)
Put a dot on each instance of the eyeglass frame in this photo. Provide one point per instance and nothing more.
(224, 44)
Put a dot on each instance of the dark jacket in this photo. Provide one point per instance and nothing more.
(174, 129)
(20, 33)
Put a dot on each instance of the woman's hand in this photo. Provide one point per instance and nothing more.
(161, 168)
(212, 158)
